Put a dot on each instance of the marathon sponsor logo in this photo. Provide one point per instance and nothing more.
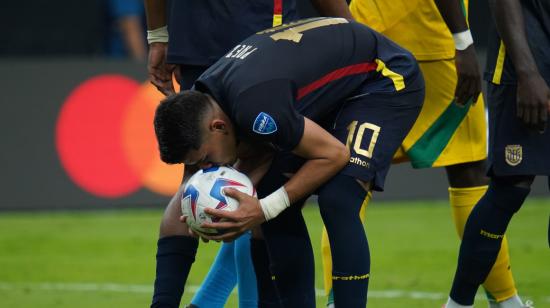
(352, 277)
(491, 235)
(359, 161)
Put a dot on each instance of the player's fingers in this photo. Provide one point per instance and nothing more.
(160, 85)
(220, 225)
(193, 233)
(204, 238)
(527, 116)
(520, 110)
(220, 213)
(167, 88)
(234, 193)
(197, 234)
(461, 92)
(183, 219)
(226, 237)
(474, 91)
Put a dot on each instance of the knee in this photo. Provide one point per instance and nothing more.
(341, 197)
(509, 193)
(467, 174)
(170, 224)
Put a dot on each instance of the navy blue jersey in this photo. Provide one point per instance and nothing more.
(270, 81)
(500, 69)
(201, 31)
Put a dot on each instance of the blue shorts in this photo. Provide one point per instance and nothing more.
(373, 126)
(513, 148)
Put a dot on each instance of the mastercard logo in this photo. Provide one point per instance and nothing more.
(106, 142)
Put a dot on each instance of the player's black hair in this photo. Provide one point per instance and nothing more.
(177, 123)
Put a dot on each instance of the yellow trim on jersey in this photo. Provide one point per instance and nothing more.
(397, 79)
(277, 20)
(500, 63)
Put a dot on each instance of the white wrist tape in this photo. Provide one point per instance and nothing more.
(463, 39)
(158, 35)
(275, 203)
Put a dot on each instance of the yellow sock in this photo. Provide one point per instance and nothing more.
(326, 257)
(500, 284)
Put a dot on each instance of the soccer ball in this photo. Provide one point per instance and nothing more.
(205, 189)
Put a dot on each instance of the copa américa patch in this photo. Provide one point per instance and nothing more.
(264, 124)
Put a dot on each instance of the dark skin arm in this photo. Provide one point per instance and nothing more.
(468, 86)
(332, 8)
(325, 156)
(160, 72)
(533, 94)
(132, 31)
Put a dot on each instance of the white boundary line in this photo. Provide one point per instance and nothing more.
(137, 288)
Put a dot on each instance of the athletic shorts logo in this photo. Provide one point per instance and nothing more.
(264, 124)
(513, 154)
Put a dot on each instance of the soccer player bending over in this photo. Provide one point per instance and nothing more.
(518, 75)
(330, 91)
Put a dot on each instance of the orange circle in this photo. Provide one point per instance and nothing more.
(140, 145)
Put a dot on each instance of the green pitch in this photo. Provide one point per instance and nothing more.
(106, 259)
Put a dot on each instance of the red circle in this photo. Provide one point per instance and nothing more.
(89, 136)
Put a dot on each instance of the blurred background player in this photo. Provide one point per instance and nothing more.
(201, 32)
(451, 130)
(518, 77)
(126, 23)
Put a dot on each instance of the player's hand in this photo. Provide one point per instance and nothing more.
(533, 101)
(160, 73)
(468, 86)
(193, 233)
(234, 223)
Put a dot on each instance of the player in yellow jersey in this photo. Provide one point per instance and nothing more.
(451, 130)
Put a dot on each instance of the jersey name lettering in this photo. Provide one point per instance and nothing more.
(241, 51)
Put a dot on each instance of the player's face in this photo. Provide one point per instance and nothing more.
(219, 148)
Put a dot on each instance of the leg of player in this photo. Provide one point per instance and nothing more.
(340, 201)
(232, 266)
(326, 256)
(483, 235)
(267, 292)
(246, 279)
(289, 248)
(468, 184)
(220, 280)
(291, 258)
(176, 251)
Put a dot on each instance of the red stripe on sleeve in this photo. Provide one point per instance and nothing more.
(334, 75)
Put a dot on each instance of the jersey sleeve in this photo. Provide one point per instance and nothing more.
(266, 112)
